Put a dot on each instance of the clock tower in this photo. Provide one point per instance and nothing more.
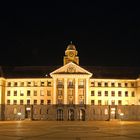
(71, 54)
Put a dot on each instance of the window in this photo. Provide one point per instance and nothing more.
(35, 84)
(119, 93)
(15, 93)
(28, 84)
(92, 102)
(126, 84)
(41, 93)
(70, 83)
(59, 92)
(42, 102)
(132, 84)
(28, 102)
(99, 102)
(15, 102)
(113, 102)
(60, 101)
(113, 84)
(81, 101)
(21, 102)
(92, 93)
(8, 93)
(28, 93)
(92, 84)
(49, 83)
(42, 83)
(81, 92)
(119, 84)
(21, 93)
(132, 94)
(35, 102)
(48, 102)
(15, 84)
(113, 93)
(35, 92)
(106, 84)
(22, 84)
(99, 84)
(106, 102)
(99, 93)
(119, 102)
(106, 93)
(126, 93)
(9, 84)
(48, 93)
(8, 102)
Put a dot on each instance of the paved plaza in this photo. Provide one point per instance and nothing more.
(69, 130)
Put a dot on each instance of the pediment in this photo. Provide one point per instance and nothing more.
(71, 68)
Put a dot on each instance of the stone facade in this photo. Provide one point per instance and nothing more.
(69, 92)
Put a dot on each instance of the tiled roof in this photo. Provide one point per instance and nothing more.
(42, 71)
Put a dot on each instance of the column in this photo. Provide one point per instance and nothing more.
(54, 91)
(76, 90)
(65, 90)
(87, 91)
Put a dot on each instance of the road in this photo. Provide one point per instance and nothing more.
(69, 130)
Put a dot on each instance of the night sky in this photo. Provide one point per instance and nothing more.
(105, 34)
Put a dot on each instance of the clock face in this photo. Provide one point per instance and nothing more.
(71, 54)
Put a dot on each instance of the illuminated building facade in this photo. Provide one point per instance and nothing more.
(69, 92)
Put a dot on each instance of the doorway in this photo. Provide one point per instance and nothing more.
(59, 114)
(71, 115)
(82, 115)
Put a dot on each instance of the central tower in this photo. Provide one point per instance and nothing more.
(71, 54)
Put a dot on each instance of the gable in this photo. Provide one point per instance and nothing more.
(71, 68)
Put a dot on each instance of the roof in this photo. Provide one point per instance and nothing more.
(42, 71)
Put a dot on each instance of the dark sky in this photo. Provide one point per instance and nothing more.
(105, 34)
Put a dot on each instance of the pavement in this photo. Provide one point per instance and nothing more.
(69, 130)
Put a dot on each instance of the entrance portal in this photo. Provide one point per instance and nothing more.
(59, 114)
(82, 115)
(71, 114)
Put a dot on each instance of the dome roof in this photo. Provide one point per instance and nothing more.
(71, 47)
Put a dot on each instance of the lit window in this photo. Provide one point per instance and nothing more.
(41, 93)
(28, 84)
(35, 92)
(22, 84)
(21, 93)
(48, 93)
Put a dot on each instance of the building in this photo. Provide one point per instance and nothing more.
(69, 92)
